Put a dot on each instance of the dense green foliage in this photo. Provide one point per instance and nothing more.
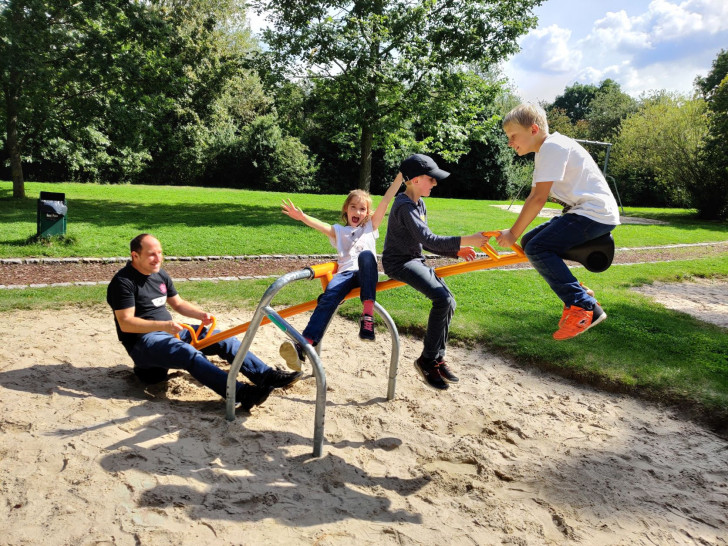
(710, 192)
(136, 91)
(668, 163)
(393, 70)
(177, 92)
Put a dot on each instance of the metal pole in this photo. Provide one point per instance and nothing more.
(318, 372)
(250, 334)
(394, 358)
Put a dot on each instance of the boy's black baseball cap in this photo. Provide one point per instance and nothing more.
(418, 164)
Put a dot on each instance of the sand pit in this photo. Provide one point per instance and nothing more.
(88, 456)
(705, 299)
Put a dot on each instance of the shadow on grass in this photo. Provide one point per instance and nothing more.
(152, 216)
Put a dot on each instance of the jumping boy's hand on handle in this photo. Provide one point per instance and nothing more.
(506, 239)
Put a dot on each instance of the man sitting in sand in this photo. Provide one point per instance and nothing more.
(138, 295)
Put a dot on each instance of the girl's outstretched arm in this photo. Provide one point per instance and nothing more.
(290, 209)
(381, 209)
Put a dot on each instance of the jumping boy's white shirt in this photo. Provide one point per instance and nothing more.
(577, 180)
(352, 241)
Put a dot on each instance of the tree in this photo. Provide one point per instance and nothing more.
(561, 123)
(124, 90)
(663, 141)
(62, 65)
(710, 193)
(607, 109)
(380, 58)
(708, 84)
(575, 101)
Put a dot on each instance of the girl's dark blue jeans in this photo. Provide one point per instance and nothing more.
(340, 285)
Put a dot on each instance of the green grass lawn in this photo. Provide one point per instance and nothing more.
(642, 348)
(202, 221)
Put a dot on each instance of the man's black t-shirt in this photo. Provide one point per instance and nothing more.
(146, 293)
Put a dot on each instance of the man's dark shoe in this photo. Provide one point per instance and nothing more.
(251, 395)
(292, 353)
(446, 373)
(366, 328)
(277, 379)
(430, 372)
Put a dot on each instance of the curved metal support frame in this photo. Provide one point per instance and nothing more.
(263, 312)
(252, 329)
(394, 359)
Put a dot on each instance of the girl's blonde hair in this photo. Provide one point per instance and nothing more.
(527, 114)
(357, 194)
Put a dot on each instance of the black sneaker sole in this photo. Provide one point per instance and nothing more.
(443, 387)
(255, 398)
(451, 379)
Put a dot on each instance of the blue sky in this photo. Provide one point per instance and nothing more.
(643, 45)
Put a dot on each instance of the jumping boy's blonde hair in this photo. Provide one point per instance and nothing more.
(527, 114)
(357, 194)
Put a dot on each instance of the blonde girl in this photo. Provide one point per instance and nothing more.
(355, 243)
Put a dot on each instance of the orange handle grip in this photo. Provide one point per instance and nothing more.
(195, 334)
(490, 251)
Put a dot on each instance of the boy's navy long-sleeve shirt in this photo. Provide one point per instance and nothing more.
(408, 234)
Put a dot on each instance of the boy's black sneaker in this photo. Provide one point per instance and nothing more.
(430, 372)
(366, 328)
(277, 379)
(251, 395)
(446, 373)
(292, 353)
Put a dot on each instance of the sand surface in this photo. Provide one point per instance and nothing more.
(508, 456)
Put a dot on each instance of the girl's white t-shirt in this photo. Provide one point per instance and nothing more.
(577, 180)
(352, 241)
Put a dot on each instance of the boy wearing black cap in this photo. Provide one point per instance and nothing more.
(402, 259)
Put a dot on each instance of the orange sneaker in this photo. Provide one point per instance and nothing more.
(563, 315)
(588, 290)
(577, 321)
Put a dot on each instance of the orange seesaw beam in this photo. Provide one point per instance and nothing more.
(326, 271)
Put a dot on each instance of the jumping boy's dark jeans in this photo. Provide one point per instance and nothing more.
(544, 243)
(423, 279)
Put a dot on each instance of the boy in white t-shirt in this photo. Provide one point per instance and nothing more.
(565, 172)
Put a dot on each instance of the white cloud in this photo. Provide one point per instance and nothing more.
(548, 50)
(669, 21)
(664, 22)
(617, 31)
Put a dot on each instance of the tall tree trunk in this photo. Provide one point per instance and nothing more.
(365, 157)
(13, 144)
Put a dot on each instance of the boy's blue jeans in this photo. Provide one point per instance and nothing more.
(341, 284)
(163, 350)
(423, 279)
(544, 243)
